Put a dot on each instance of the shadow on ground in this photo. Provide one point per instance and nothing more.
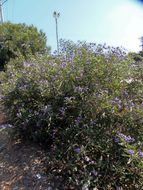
(22, 165)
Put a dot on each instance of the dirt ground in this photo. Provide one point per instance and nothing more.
(22, 166)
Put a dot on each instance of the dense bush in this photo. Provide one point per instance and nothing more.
(87, 104)
(138, 57)
(20, 39)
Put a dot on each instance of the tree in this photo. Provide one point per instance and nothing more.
(20, 39)
(138, 57)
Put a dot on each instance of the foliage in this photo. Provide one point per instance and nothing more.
(87, 104)
(20, 39)
(138, 57)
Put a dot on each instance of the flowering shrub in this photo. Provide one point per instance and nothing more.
(87, 104)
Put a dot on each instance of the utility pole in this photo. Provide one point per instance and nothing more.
(141, 39)
(56, 16)
(1, 10)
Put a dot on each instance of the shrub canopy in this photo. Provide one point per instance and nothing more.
(88, 104)
(20, 39)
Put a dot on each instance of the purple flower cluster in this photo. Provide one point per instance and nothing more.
(128, 138)
(62, 111)
(128, 104)
(125, 94)
(77, 150)
(63, 64)
(78, 120)
(140, 154)
(80, 89)
(117, 102)
(90, 162)
(116, 139)
(94, 172)
(131, 152)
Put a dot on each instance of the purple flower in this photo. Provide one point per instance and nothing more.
(78, 89)
(94, 172)
(62, 111)
(128, 138)
(117, 102)
(78, 120)
(141, 154)
(118, 188)
(90, 162)
(131, 152)
(63, 65)
(116, 140)
(97, 94)
(125, 94)
(77, 150)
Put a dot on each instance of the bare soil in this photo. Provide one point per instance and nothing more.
(22, 166)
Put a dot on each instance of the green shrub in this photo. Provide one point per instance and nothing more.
(20, 39)
(87, 104)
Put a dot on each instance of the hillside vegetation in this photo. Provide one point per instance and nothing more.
(86, 107)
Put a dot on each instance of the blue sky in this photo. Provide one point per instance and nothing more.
(114, 22)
